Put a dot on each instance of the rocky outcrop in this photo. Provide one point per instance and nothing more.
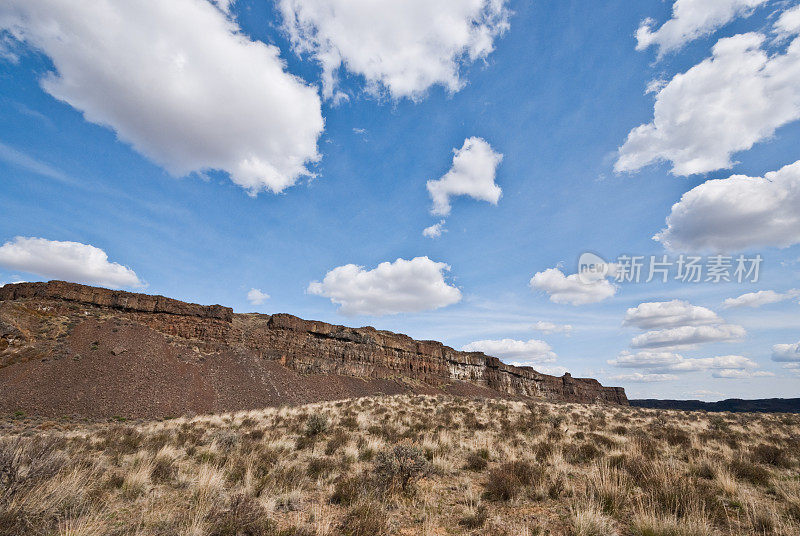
(40, 320)
(113, 299)
(317, 347)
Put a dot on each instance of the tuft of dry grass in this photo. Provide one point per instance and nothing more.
(588, 519)
(407, 465)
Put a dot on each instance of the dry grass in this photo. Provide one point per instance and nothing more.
(407, 465)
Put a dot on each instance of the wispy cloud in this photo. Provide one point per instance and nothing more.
(24, 161)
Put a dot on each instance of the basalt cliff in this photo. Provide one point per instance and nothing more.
(69, 349)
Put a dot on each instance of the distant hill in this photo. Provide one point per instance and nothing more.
(769, 405)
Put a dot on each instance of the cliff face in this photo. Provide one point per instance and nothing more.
(48, 321)
(309, 346)
(113, 299)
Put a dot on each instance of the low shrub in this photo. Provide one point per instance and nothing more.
(475, 519)
(477, 460)
(164, 470)
(770, 455)
(508, 481)
(320, 467)
(398, 468)
(676, 437)
(749, 471)
(242, 516)
(348, 490)
(339, 439)
(365, 519)
(316, 424)
(581, 453)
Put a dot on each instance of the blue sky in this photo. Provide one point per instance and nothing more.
(556, 92)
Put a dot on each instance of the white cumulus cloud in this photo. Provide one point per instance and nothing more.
(400, 47)
(792, 368)
(640, 377)
(256, 297)
(786, 353)
(70, 261)
(692, 19)
(721, 106)
(435, 230)
(472, 174)
(551, 327)
(660, 364)
(669, 314)
(689, 336)
(224, 5)
(762, 297)
(724, 362)
(706, 394)
(521, 352)
(180, 82)
(789, 22)
(570, 288)
(741, 374)
(676, 363)
(7, 46)
(737, 213)
(402, 286)
(646, 359)
(553, 370)
(678, 324)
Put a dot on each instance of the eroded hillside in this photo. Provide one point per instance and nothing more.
(73, 349)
